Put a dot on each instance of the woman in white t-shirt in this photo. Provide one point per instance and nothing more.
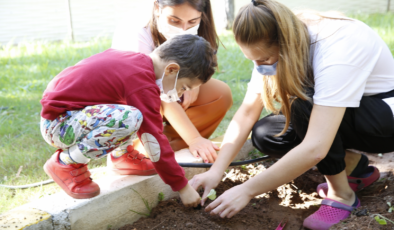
(192, 121)
(334, 81)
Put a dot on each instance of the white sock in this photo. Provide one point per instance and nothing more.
(65, 158)
(77, 156)
(118, 152)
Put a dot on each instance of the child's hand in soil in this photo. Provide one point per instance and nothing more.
(230, 202)
(208, 180)
(189, 196)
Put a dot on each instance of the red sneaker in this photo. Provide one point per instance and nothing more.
(74, 179)
(132, 163)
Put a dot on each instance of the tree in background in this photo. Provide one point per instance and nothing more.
(229, 6)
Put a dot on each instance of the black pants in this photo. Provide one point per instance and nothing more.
(368, 128)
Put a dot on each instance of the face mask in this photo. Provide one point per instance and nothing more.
(171, 95)
(266, 69)
(169, 31)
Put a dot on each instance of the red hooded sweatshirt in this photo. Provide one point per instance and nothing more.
(117, 77)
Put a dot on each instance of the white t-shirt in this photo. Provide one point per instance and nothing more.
(137, 40)
(349, 61)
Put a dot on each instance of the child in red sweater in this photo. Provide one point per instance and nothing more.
(99, 105)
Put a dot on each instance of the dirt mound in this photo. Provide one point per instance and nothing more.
(293, 201)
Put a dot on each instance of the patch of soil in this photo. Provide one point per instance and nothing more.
(293, 201)
(373, 201)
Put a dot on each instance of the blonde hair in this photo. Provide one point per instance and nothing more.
(272, 23)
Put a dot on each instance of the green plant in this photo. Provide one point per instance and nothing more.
(381, 221)
(255, 154)
(212, 194)
(147, 205)
(161, 196)
(391, 208)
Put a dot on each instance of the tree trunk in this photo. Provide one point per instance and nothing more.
(229, 6)
(70, 21)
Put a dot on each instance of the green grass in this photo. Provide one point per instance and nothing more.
(25, 71)
(383, 24)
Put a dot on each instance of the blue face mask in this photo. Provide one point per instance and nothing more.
(266, 69)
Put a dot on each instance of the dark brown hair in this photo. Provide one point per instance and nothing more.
(206, 30)
(192, 53)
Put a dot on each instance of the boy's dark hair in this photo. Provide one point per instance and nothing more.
(192, 53)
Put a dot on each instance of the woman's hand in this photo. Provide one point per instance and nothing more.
(189, 97)
(204, 148)
(208, 180)
(230, 202)
(189, 196)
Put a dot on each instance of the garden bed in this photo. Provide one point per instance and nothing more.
(293, 201)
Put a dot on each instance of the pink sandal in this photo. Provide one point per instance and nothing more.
(370, 175)
(330, 212)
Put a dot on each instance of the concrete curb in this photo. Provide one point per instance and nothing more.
(25, 218)
(110, 209)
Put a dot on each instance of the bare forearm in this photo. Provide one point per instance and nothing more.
(177, 117)
(311, 151)
(289, 167)
(235, 137)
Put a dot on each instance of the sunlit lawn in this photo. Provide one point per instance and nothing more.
(26, 69)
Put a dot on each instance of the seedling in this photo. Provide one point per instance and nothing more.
(380, 221)
(161, 196)
(147, 205)
(391, 208)
(212, 194)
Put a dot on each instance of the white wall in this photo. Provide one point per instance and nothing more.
(345, 6)
(48, 19)
(23, 19)
(93, 18)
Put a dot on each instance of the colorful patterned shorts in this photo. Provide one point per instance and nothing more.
(94, 131)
